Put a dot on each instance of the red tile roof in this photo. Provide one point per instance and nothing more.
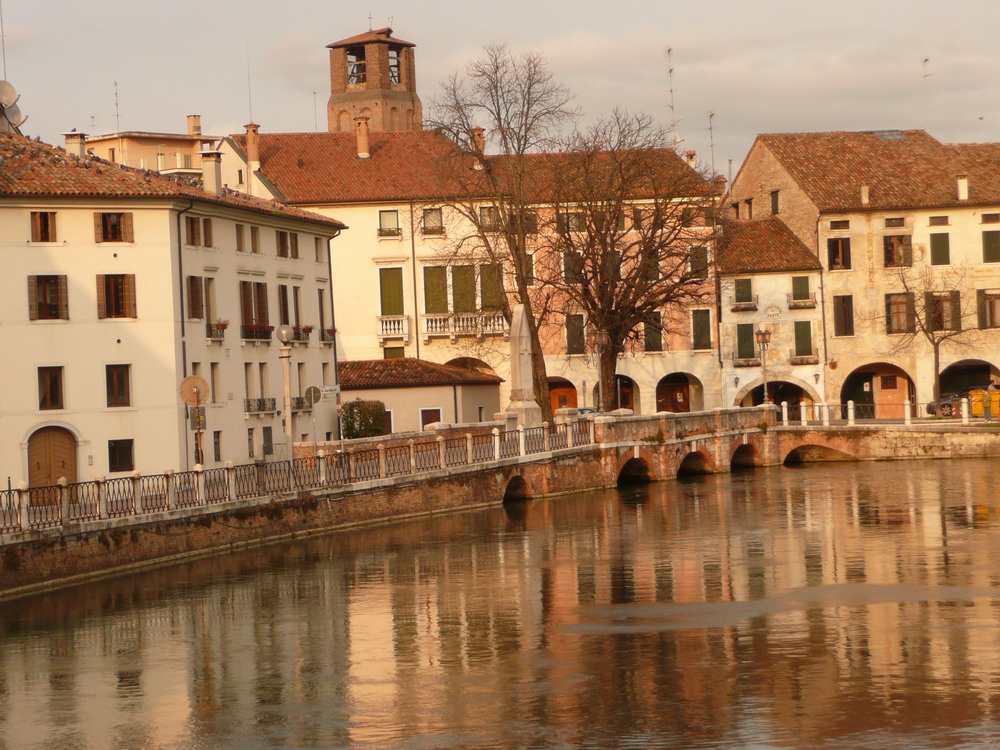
(325, 168)
(378, 35)
(407, 372)
(903, 169)
(762, 246)
(32, 169)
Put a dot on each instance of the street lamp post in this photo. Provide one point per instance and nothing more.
(285, 335)
(763, 336)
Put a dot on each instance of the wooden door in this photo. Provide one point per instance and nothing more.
(51, 455)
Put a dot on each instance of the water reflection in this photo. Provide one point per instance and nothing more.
(843, 605)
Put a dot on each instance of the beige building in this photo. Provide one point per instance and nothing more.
(166, 153)
(120, 284)
(907, 231)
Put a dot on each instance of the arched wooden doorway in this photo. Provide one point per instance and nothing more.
(51, 455)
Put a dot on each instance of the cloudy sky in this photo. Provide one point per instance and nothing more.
(766, 66)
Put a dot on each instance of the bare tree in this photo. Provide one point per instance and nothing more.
(507, 106)
(626, 244)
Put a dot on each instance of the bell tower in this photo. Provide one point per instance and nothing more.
(373, 75)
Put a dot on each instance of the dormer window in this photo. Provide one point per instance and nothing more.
(356, 72)
(394, 76)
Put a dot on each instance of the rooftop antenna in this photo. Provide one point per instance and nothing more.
(369, 20)
(249, 90)
(711, 140)
(670, 80)
(118, 126)
(926, 75)
(315, 120)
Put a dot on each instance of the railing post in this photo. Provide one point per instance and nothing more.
(496, 444)
(23, 505)
(230, 480)
(784, 414)
(136, 494)
(850, 412)
(381, 460)
(350, 466)
(199, 479)
(102, 496)
(520, 440)
(468, 448)
(803, 418)
(545, 437)
(826, 414)
(965, 411)
(63, 483)
(168, 479)
(413, 456)
(321, 467)
(906, 413)
(440, 442)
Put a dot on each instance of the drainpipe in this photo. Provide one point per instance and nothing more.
(180, 283)
(413, 273)
(822, 311)
(454, 395)
(333, 324)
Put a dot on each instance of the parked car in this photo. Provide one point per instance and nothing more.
(945, 406)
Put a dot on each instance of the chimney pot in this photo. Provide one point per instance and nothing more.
(194, 124)
(689, 155)
(211, 172)
(253, 146)
(963, 187)
(361, 130)
(76, 143)
(865, 195)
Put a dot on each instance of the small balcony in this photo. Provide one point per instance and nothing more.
(803, 303)
(300, 334)
(803, 358)
(478, 324)
(744, 361)
(259, 405)
(393, 327)
(256, 332)
(300, 403)
(215, 331)
(326, 335)
(389, 232)
(743, 304)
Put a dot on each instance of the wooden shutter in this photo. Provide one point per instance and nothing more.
(800, 287)
(390, 282)
(63, 298)
(98, 227)
(321, 304)
(239, 238)
(940, 249)
(435, 290)
(193, 230)
(574, 334)
(294, 239)
(955, 301)
(32, 297)
(744, 341)
(911, 313)
(491, 287)
(744, 290)
(803, 338)
(983, 319)
(36, 227)
(196, 298)
(261, 303)
(128, 294)
(127, 232)
(991, 247)
(701, 329)
(463, 288)
(282, 304)
(102, 306)
(207, 232)
(653, 333)
(246, 303)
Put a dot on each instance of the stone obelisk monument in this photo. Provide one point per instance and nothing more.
(523, 400)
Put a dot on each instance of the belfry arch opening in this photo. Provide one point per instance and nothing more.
(635, 471)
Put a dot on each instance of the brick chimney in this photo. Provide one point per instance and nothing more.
(865, 195)
(963, 187)
(194, 124)
(211, 172)
(361, 130)
(479, 140)
(76, 143)
(689, 156)
(253, 154)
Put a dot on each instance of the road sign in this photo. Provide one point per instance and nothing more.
(313, 394)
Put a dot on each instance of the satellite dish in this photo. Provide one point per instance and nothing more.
(313, 394)
(13, 115)
(194, 390)
(8, 96)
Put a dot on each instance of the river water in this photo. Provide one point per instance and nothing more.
(830, 606)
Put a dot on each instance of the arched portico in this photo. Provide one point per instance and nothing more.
(879, 391)
(679, 392)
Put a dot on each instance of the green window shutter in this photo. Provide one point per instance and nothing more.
(573, 267)
(701, 329)
(991, 247)
(981, 307)
(803, 338)
(529, 267)
(800, 287)
(955, 300)
(491, 287)
(435, 290)
(698, 259)
(574, 334)
(744, 290)
(745, 348)
(911, 313)
(940, 249)
(463, 283)
(653, 333)
(390, 282)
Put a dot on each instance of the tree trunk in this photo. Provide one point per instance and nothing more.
(606, 373)
(936, 347)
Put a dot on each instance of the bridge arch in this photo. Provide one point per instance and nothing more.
(517, 489)
(695, 462)
(811, 452)
(744, 457)
(634, 471)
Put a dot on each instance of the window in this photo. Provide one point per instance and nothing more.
(217, 445)
(48, 298)
(529, 268)
(838, 250)
(436, 290)
(988, 307)
(571, 221)
(254, 239)
(653, 333)
(319, 248)
(574, 334)
(198, 231)
(281, 238)
(743, 290)
(239, 181)
(214, 383)
(432, 222)
(800, 288)
(991, 247)
(698, 260)
(429, 416)
(195, 297)
(250, 442)
(940, 249)
(283, 318)
(803, 338)
(50, 388)
(895, 221)
(393, 352)
(840, 224)
(356, 72)
(268, 439)
(463, 288)
(240, 247)
(394, 65)
(636, 218)
(701, 329)
(293, 244)
(843, 315)
(388, 224)
(888, 382)
(736, 210)
(253, 306)
(117, 382)
(490, 287)
(528, 223)
(899, 313)
(749, 204)
(120, 455)
(775, 204)
(991, 218)
(113, 227)
(898, 250)
(745, 345)
(43, 226)
(321, 305)
(390, 282)
(943, 311)
(573, 267)
(938, 221)
(489, 218)
(116, 296)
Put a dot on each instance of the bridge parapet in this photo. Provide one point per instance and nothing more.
(670, 426)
